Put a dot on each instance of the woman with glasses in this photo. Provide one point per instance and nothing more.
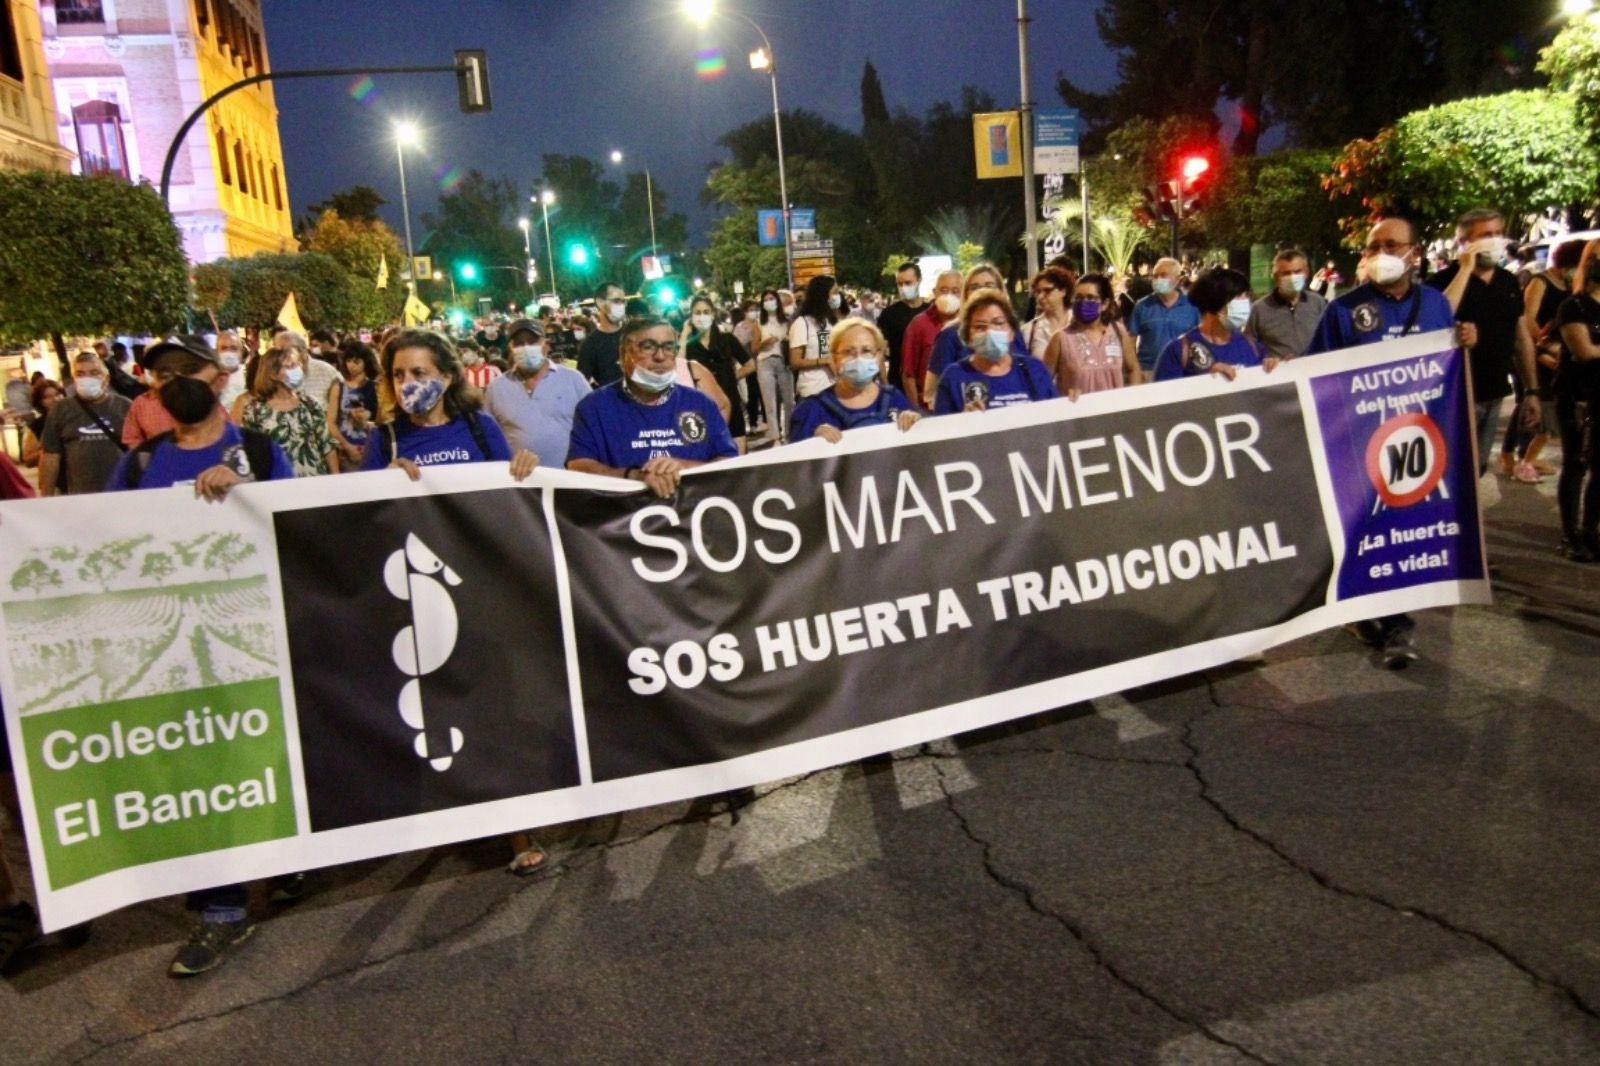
(1051, 287)
(861, 394)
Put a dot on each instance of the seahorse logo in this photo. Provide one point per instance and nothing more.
(425, 645)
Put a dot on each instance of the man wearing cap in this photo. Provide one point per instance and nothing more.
(535, 402)
(84, 430)
(147, 419)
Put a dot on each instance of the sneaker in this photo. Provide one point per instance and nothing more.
(19, 927)
(1575, 550)
(208, 943)
(287, 888)
(1398, 651)
(1369, 632)
(1527, 474)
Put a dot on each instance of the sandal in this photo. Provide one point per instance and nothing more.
(530, 860)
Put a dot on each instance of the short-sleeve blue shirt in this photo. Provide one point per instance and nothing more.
(1240, 350)
(1026, 382)
(171, 465)
(613, 428)
(1366, 314)
(443, 445)
(824, 409)
(1157, 325)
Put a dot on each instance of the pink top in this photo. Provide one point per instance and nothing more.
(1095, 365)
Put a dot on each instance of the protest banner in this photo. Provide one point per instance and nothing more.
(324, 670)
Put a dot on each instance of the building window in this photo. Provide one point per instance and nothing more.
(77, 11)
(10, 54)
(101, 149)
(255, 50)
(240, 169)
(222, 156)
(277, 188)
(202, 15)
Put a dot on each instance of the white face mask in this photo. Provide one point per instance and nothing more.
(578, 334)
(908, 292)
(229, 358)
(770, 305)
(316, 349)
(1291, 285)
(1238, 311)
(529, 357)
(1386, 269)
(615, 310)
(752, 316)
(949, 303)
(834, 299)
(90, 388)
(1490, 252)
(701, 322)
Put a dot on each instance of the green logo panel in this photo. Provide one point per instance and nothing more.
(135, 781)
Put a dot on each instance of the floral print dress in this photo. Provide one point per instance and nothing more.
(302, 433)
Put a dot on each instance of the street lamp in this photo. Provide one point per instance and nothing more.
(439, 275)
(405, 132)
(1574, 8)
(544, 200)
(527, 250)
(700, 12)
(649, 199)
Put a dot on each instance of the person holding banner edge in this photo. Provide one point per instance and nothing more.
(644, 427)
(1390, 304)
(859, 396)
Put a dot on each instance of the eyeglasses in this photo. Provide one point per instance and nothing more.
(652, 347)
(1387, 247)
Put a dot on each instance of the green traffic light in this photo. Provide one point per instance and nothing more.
(578, 255)
(468, 271)
(666, 295)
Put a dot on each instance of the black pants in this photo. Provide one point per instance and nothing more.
(1580, 462)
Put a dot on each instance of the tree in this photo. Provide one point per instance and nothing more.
(477, 222)
(1572, 63)
(227, 552)
(985, 233)
(1520, 153)
(1278, 199)
(359, 203)
(35, 576)
(258, 286)
(157, 565)
(86, 255)
(361, 248)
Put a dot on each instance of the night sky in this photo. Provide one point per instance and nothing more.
(586, 76)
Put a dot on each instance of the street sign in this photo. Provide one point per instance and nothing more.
(738, 287)
(812, 245)
(812, 258)
(1055, 140)
(997, 143)
(802, 221)
(422, 267)
(769, 227)
(651, 267)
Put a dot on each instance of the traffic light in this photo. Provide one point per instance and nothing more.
(472, 79)
(468, 270)
(578, 255)
(1158, 202)
(1194, 177)
(666, 295)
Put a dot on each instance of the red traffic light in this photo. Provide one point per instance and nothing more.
(1194, 166)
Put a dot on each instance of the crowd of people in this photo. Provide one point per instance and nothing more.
(632, 393)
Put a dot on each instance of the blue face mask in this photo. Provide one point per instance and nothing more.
(530, 357)
(860, 371)
(293, 376)
(420, 397)
(1162, 286)
(992, 344)
(1239, 311)
(650, 381)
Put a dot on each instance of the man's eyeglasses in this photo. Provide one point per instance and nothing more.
(652, 347)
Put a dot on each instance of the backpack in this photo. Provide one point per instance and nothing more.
(257, 449)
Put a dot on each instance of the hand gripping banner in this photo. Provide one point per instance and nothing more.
(319, 671)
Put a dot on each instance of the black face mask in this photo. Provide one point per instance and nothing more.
(189, 400)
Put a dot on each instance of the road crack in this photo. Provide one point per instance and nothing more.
(1325, 881)
(1030, 899)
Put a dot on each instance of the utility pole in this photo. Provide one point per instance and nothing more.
(1030, 209)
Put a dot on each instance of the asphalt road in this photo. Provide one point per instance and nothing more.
(1306, 860)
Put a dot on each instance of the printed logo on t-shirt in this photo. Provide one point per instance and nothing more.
(975, 392)
(691, 427)
(1366, 317)
(235, 459)
(1200, 357)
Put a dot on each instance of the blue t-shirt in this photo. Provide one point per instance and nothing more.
(1157, 325)
(1365, 315)
(613, 428)
(452, 442)
(1026, 382)
(825, 409)
(171, 465)
(947, 349)
(1241, 350)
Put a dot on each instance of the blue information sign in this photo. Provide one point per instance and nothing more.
(1055, 140)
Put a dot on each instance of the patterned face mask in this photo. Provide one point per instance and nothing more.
(419, 397)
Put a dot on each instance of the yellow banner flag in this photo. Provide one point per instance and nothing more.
(997, 141)
(289, 317)
(416, 311)
(383, 271)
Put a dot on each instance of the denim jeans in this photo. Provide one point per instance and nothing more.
(777, 388)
